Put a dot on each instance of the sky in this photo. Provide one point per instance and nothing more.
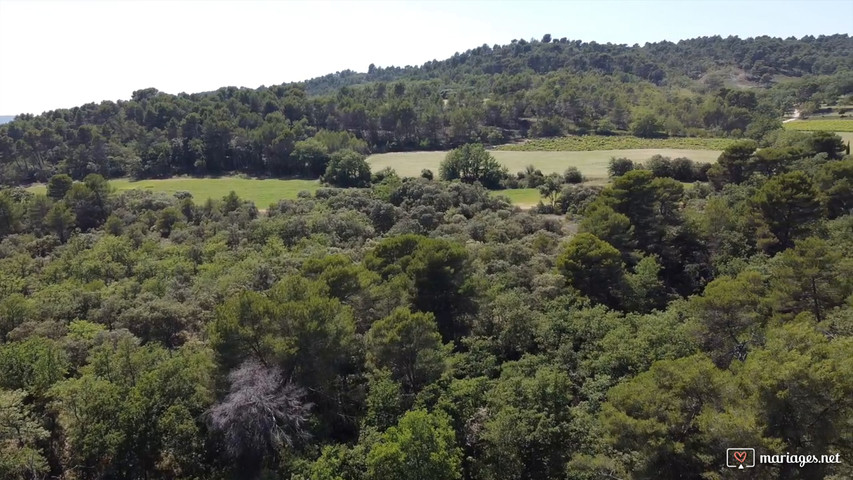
(60, 54)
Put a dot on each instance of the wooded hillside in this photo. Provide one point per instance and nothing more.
(489, 94)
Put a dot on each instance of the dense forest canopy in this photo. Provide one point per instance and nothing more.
(761, 58)
(425, 328)
(428, 329)
(489, 94)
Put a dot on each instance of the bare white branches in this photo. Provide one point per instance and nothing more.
(262, 412)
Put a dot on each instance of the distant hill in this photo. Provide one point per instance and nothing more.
(6, 119)
(704, 87)
(762, 60)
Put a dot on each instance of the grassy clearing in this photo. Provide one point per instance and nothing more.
(262, 192)
(839, 125)
(600, 142)
(407, 164)
(592, 165)
(523, 197)
(846, 136)
(529, 197)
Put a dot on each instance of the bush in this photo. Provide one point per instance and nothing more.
(494, 135)
(547, 127)
(575, 198)
(511, 182)
(551, 187)
(700, 171)
(646, 125)
(311, 157)
(573, 175)
(660, 166)
(347, 169)
(531, 177)
(699, 190)
(604, 127)
(544, 209)
(472, 163)
(427, 173)
(381, 175)
(682, 169)
(620, 166)
(58, 186)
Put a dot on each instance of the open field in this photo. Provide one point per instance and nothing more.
(262, 192)
(846, 136)
(830, 112)
(523, 197)
(836, 125)
(615, 142)
(592, 165)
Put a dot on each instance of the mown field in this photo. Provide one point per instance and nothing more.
(601, 142)
(834, 125)
(523, 197)
(592, 164)
(261, 191)
(529, 197)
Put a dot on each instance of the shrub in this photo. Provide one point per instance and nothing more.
(646, 125)
(575, 198)
(58, 186)
(682, 169)
(660, 166)
(472, 163)
(573, 175)
(381, 175)
(347, 169)
(620, 166)
(547, 127)
(531, 177)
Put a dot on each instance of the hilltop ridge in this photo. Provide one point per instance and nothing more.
(524, 89)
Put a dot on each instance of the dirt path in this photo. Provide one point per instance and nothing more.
(796, 117)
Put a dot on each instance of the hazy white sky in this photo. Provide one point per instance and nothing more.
(59, 54)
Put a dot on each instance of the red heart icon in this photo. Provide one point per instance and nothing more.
(740, 456)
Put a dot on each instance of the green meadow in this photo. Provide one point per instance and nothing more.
(592, 164)
(616, 142)
(261, 191)
(829, 125)
(523, 197)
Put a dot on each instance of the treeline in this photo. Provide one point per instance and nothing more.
(781, 151)
(761, 58)
(284, 131)
(421, 328)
